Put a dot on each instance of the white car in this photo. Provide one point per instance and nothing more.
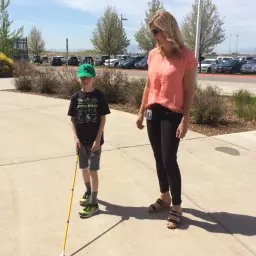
(112, 63)
(207, 65)
(225, 58)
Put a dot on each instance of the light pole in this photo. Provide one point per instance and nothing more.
(198, 29)
(67, 51)
(230, 43)
(122, 20)
(237, 36)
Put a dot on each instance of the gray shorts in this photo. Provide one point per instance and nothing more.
(89, 159)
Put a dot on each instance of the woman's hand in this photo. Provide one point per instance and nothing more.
(139, 121)
(182, 129)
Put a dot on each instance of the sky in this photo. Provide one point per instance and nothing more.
(76, 19)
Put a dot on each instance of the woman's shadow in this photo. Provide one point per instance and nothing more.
(214, 222)
(127, 212)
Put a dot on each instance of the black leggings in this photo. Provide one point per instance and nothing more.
(162, 129)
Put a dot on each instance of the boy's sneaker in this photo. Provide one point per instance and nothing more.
(89, 210)
(85, 199)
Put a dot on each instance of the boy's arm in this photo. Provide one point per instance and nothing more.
(72, 114)
(96, 144)
(77, 142)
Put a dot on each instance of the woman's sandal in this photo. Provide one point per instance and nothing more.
(174, 223)
(158, 205)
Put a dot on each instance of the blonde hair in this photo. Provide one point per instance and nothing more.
(167, 23)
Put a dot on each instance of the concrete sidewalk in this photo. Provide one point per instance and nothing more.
(36, 169)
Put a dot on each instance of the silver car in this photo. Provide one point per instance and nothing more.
(249, 67)
(208, 65)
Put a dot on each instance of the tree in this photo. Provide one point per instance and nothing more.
(143, 36)
(212, 31)
(36, 42)
(7, 38)
(109, 36)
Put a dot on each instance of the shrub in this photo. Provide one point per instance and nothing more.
(208, 106)
(6, 66)
(24, 68)
(243, 97)
(136, 90)
(114, 84)
(68, 84)
(23, 83)
(46, 82)
(5, 59)
(245, 105)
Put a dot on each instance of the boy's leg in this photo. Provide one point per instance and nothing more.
(83, 164)
(95, 185)
(86, 197)
(94, 166)
(86, 177)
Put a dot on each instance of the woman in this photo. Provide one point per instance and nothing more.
(167, 100)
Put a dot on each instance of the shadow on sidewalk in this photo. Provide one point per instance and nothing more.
(221, 222)
(127, 212)
(215, 222)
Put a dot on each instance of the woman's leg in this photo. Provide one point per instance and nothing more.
(154, 134)
(170, 145)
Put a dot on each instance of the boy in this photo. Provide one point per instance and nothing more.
(88, 109)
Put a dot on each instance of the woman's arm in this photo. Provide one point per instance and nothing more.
(142, 107)
(144, 98)
(189, 86)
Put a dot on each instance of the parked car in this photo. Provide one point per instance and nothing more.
(249, 67)
(208, 65)
(56, 61)
(248, 58)
(130, 62)
(88, 59)
(143, 64)
(225, 58)
(231, 67)
(37, 59)
(45, 59)
(112, 63)
(73, 61)
(100, 60)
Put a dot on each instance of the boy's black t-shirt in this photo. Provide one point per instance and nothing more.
(87, 108)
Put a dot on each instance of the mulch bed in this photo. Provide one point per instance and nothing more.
(231, 123)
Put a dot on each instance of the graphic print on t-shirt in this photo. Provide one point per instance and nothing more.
(87, 110)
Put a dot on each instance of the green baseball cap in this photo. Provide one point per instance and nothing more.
(86, 70)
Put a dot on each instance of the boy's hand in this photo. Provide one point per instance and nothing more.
(96, 146)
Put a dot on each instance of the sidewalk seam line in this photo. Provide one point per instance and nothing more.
(230, 143)
(218, 222)
(201, 208)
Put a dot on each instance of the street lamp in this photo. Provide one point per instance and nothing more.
(122, 19)
(237, 36)
(230, 44)
(198, 29)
